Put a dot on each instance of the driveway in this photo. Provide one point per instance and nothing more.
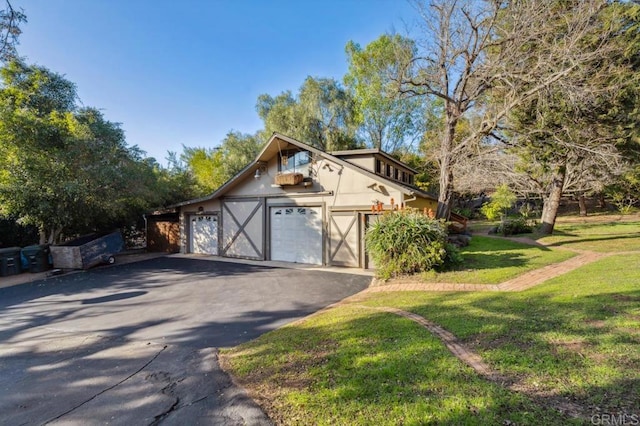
(136, 344)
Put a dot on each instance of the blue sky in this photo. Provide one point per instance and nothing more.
(187, 72)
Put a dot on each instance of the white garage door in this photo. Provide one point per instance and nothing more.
(204, 234)
(296, 234)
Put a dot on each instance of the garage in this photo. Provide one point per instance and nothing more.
(204, 234)
(296, 234)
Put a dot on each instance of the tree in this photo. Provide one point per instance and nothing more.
(10, 20)
(212, 167)
(238, 150)
(472, 51)
(387, 122)
(206, 165)
(174, 183)
(573, 127)
(63, 169)
(322, 115)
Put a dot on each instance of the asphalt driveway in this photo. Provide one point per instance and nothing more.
(137, 344)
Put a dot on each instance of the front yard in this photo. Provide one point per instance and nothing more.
(564, 352)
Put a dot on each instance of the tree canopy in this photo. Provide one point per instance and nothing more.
(322, 115)
(62, 168)
(386, 120)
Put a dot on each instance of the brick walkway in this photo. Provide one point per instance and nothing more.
(519, 283)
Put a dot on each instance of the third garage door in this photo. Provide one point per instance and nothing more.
(296, 234)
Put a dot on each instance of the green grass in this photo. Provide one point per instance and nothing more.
(351, 366)
(576, 336)
(490, 260)
(601, 237)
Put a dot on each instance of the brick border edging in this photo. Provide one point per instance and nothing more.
(473, 360)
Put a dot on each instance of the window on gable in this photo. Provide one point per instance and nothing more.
(379, 166)
(410, 179)
(389, 172)
(396, 174)
(295, 162)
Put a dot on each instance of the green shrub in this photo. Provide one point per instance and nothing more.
(464, 211)
(407, 242)
(515, 226)
(501, 201)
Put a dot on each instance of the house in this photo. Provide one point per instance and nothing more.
(296, 203)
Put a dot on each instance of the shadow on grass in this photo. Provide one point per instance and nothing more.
(376, 368)
(379, 368)
(482, 243)
(587, 240)
(492, 260)
(573, 343)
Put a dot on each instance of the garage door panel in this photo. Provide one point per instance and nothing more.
(344, 240)
(296, 234)
(204, 234)
(242, 229)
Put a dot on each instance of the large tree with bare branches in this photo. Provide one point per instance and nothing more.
(10, 20)
(484, 58)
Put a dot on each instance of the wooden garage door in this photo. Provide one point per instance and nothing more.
(204, 234)
(296, 234)
(345, 239)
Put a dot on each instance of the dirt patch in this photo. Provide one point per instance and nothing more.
(489, 342)
(573, 346)
(596, 323)
(625, 298)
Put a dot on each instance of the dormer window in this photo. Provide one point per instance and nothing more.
(379, 166)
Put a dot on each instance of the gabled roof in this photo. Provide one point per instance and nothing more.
(274, 146)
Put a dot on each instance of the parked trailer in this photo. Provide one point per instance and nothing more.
(87, 251)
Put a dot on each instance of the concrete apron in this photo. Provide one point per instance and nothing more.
(279, 264)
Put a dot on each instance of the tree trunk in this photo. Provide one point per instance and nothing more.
(583, 205)
(445, 197)
(601, 201)
(552, 202)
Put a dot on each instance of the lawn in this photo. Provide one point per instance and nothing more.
(489, 260)
(613, 236)
(573, 342)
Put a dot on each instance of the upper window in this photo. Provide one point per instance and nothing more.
(379, 166)
(295, 162)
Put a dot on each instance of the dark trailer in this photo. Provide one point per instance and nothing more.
(87, 251)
